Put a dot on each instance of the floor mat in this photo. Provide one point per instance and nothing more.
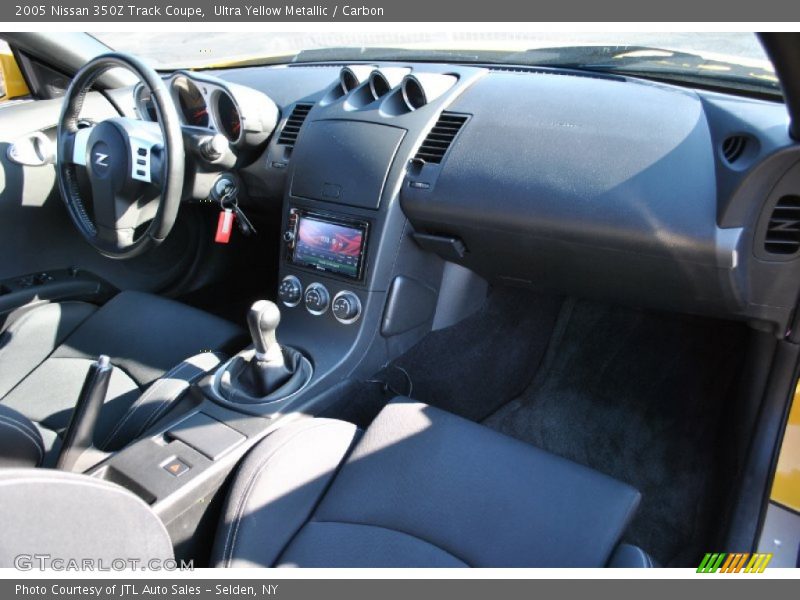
(637, 396)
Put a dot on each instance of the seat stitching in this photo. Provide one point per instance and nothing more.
(139, 402)
(33, 435)
(233, 532)
(411, 535)
(165, 404)
(22, 421)
(161, 408)
(15, 425)
(345, 457)
(251, 481)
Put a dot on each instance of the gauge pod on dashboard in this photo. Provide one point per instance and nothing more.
(244, 116)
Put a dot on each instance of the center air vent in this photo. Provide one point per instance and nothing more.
(733, 147)
(783, 230)
(440, 137)
(293, 124)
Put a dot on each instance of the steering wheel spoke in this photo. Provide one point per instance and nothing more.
(144, 143)
(115, 238)
(80, 146)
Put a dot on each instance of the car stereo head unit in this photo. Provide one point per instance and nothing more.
(326, 243)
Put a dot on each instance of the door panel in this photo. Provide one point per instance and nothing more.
(36, 233)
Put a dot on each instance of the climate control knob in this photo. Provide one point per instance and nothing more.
(346, 307)
(317, 299)
(290, 291)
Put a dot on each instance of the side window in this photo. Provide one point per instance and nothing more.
(12, 83)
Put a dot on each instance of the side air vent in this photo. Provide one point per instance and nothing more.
(733, 147)
(293, 124)
(440, 137)
(783, 230)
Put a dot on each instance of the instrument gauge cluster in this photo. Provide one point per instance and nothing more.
(191, 102)
(246, 117)
(145, 104)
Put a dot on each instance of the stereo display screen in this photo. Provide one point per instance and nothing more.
(330, 246)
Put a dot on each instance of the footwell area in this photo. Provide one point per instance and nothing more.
(640, 397)
(637, 395)
(470, 369)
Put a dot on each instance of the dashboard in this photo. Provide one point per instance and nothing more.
(605, 186)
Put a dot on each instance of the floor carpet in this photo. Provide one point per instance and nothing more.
(640, 397)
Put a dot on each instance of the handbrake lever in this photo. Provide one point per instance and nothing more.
(79, 437)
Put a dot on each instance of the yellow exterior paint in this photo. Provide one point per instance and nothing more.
(786, 487)
(15, 85)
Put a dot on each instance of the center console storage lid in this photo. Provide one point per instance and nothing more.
(205, 434)
(345, 162)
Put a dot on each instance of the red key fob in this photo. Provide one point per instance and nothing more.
(224, 226)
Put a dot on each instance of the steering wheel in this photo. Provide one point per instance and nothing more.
(135, 168)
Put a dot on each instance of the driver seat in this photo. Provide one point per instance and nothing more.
(46, 351)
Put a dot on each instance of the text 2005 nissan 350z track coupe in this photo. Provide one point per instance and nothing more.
(398, 308)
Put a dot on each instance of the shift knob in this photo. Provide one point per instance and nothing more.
(262, 320)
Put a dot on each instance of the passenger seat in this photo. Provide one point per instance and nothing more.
(419, 488)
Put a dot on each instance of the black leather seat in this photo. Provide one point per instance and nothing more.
(420, 488)
(45, 353)
(21, 443)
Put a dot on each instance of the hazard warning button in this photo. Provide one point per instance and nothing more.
(175, 466)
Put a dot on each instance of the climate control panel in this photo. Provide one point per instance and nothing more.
(345, 306)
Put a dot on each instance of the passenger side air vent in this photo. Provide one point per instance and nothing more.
(435, 145)
(733, 147)
(783, 230)
(293, 124)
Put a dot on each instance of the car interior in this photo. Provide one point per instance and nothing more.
(392, 313)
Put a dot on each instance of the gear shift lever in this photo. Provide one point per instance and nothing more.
(262, 320)
(268, 373)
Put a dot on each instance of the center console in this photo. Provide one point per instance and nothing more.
(355, 290)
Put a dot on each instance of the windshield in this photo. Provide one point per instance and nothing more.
(734, 60)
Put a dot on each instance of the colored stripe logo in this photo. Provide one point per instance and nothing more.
(738, 562)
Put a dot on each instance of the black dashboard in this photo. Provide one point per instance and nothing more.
(606, 186)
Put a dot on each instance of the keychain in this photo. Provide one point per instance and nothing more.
(230, 214)
(224, 226)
